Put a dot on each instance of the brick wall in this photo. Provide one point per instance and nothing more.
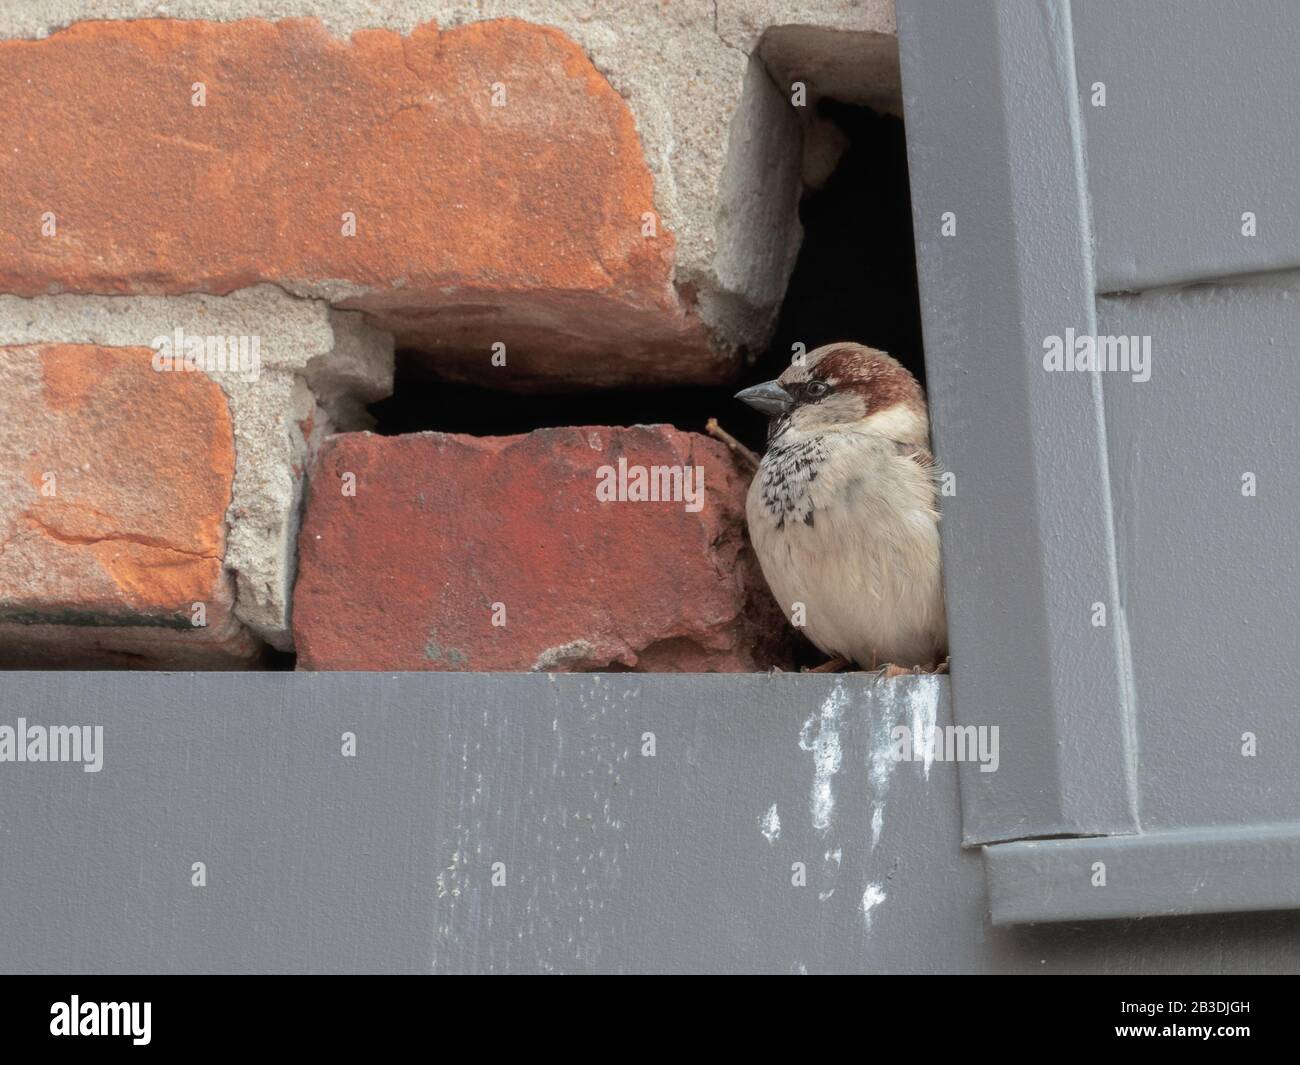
(216, 231)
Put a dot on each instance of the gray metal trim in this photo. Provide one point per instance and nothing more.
(994, 136)
(1202, 566)
(614, 862)
(1198, 127)
(1162, 874)
(611, 860)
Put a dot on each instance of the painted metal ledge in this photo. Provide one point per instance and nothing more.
(769, 832)
(1238, 868)
(483, 823)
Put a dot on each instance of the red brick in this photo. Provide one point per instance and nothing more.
(475, 224)
(112, 515)
(404, 574)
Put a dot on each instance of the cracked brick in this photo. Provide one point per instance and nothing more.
(114, 484)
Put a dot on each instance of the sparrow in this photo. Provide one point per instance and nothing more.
(843, 509)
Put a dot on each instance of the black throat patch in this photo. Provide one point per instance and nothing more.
(786, 476)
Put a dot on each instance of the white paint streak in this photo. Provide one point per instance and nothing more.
(820, 735)
(770, 824)
(923, 710)
(872, 897)
(880, 762)
(448, 881)
(915, 704)
(880, 759)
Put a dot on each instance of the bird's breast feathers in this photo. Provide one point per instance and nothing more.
(846, 524)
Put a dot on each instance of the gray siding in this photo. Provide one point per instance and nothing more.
(1027, 538)
(1200, 122)
(614, 862)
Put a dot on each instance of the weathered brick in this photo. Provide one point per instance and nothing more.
(315, 371)
(446, 534)
(474, 223)
(114, 484)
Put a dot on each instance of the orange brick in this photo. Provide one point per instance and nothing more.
(116, 480)
(498, 553)
(475, 223)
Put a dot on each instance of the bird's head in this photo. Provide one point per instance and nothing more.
(843, 387)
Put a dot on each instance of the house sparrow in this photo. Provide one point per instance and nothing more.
(843, 509)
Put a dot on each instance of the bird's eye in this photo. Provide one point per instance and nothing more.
(816, 389)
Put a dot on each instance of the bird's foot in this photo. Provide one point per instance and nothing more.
(833, 666)
(888, 671)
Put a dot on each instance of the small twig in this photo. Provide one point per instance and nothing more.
(747, 457)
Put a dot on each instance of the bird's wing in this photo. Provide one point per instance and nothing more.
(920, 455)
(933, 472)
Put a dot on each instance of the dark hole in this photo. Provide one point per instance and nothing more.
(278, 660)
(855, 279)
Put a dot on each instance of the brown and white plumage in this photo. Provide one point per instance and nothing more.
(843, 509)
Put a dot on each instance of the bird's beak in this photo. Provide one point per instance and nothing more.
(769, 397)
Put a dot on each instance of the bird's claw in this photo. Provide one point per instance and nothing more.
(889, 671)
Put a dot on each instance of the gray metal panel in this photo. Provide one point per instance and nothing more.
(1200, 124)
(1210, 577)
(1195, 871)
(614, 862)
(315, 862)
(993, 136)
